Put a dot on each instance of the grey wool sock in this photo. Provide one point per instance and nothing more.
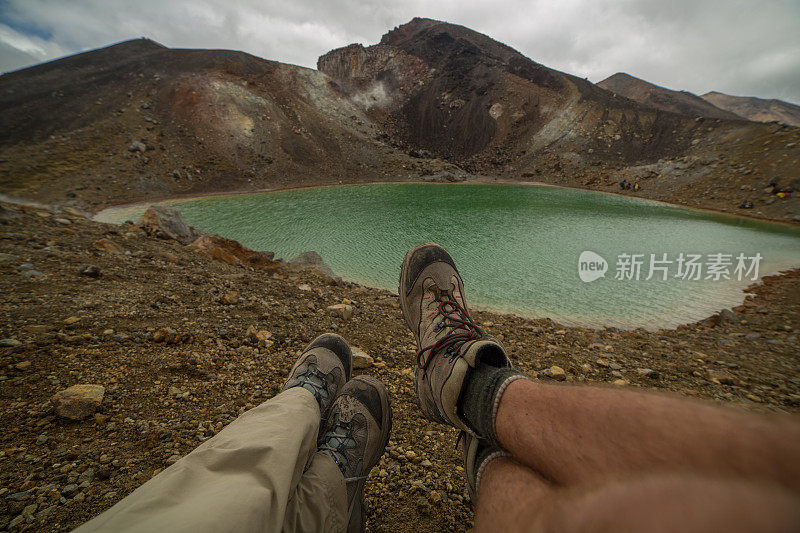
(481, 398)
(484, 456)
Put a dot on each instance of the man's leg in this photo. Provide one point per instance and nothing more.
(513, 498)
(319, 502)
(580, 434)
(351, 443)
(577, 437)
(239, 480)
(509, 495)
(618, 468)
(244, 478)
(354, 437)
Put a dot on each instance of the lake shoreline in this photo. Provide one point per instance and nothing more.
(478, 180)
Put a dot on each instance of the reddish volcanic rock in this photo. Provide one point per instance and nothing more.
(233, 253)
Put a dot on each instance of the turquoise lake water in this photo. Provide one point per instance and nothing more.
(517, 247)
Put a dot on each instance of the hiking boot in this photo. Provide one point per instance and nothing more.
(323, 368)
(355, 435)
(450, 343)
(477, 455)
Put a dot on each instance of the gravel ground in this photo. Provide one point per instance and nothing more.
(165, 331)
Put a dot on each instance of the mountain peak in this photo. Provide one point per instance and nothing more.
(403, 31)
(141, 42)
(622, 76)
(432, 40)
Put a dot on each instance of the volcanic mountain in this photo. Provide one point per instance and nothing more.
(757, 109)
(652, 95)
(137, 121)
(477, 102)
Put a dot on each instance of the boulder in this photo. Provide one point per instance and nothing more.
(177, 393)
(78, 402)
(105, 245)
(360, 359)
(312, 259)
(90, 271)
(167, 223)
(165, 335)
(230, 298)
(233, 253)
(32, 274)
(137, 146)
(721, 376)
(76, 212)
(261, 337)
(727, 315)
(557, 373)
(343, 311)
(647, 373)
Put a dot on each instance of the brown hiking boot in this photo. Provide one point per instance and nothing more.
(450, 343)
(323, 368)
(355, 435)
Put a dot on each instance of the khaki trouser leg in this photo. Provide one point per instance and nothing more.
(255, 475)
(319, 502)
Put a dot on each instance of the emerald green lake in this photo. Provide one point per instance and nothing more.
(517, 247)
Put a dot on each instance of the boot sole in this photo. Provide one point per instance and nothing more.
(386, 409)
(358, 518)
(402, 283)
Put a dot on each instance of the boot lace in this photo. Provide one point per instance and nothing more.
(338, 439)
(336, 442)
(464, 329)
(315, 381)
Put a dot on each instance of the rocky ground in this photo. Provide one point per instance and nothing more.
(183, 344)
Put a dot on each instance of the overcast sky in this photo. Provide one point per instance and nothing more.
(741, 47)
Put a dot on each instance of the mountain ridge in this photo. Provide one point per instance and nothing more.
(138, 120)
(757, 109)
(683, 102)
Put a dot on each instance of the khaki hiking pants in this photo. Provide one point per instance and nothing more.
(261, 473)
